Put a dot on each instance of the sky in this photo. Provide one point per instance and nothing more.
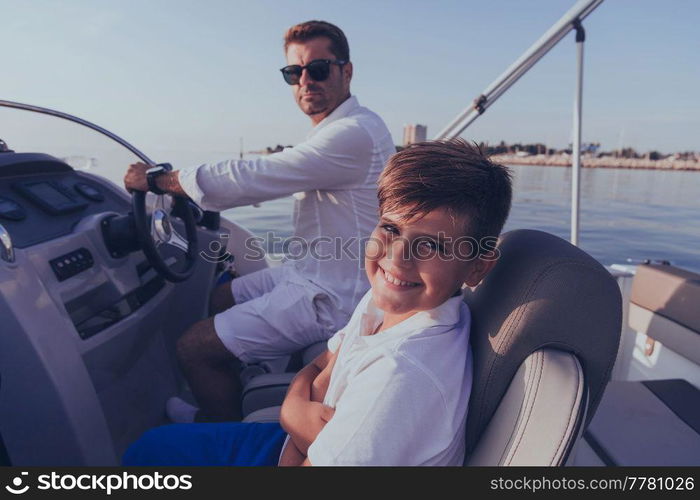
(200, 75)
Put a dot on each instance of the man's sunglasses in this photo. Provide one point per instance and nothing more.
(318, 70)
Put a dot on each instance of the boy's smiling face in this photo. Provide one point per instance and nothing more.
(414, 265)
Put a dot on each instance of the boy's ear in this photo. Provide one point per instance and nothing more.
(479, 269)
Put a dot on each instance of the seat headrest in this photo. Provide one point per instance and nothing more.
(542, 292)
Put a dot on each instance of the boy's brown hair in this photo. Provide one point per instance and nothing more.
(304, 32)
(451, 174)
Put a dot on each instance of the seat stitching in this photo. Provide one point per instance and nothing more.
(523, 402)
(567, 432)
(530, 405)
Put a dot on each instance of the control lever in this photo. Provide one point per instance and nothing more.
(7, 252)
(663, 262)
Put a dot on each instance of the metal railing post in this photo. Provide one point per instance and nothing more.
(576, 142)
(522, 65)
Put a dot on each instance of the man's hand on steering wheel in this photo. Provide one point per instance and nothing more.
(156, 229)
(135, 178)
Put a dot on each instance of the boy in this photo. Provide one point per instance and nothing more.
(395, 382)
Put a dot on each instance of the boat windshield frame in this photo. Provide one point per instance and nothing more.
(72, 118)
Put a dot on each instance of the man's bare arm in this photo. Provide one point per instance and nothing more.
(170, 182)
(135, 180)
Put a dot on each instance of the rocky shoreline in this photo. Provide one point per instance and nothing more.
(564, 160)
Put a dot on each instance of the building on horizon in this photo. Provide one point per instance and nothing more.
(414, 133)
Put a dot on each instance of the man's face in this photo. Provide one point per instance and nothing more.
(319, 99)
(416, 265)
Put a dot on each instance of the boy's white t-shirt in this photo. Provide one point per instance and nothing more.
(400, 396)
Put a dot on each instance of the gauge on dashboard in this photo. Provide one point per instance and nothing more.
(89, 192)
(51, 196)
(11, 210)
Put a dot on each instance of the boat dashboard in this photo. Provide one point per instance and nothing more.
(42, 199)
(88, 333)
(59, 216)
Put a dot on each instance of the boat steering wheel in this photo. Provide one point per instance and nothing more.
(157, 230)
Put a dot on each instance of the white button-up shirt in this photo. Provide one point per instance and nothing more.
(334, 174)
(400, 395)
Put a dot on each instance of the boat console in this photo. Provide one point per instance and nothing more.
(88, 326)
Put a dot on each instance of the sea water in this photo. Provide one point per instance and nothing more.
(625, 213)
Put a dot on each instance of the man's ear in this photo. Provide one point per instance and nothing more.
(480, 267)
(347, 73)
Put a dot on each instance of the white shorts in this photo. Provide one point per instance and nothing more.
(277, 313)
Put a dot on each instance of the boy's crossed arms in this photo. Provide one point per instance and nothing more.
(303, 413)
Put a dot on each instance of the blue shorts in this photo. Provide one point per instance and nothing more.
(228, 443)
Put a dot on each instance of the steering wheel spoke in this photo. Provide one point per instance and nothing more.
(177, 241)
(157, 230)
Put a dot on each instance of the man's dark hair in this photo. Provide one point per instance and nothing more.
(309, 30)
(451, 174)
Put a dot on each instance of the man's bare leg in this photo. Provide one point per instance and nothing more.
(209, 368)
(221, 298)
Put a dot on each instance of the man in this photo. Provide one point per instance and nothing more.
(334, 172)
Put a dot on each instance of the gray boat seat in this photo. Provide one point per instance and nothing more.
(264, 415)
(653, 422)
(545, 332)
(665, 306)
(265, 385)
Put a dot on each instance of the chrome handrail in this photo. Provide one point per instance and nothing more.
(568, 22)
(522, 65)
